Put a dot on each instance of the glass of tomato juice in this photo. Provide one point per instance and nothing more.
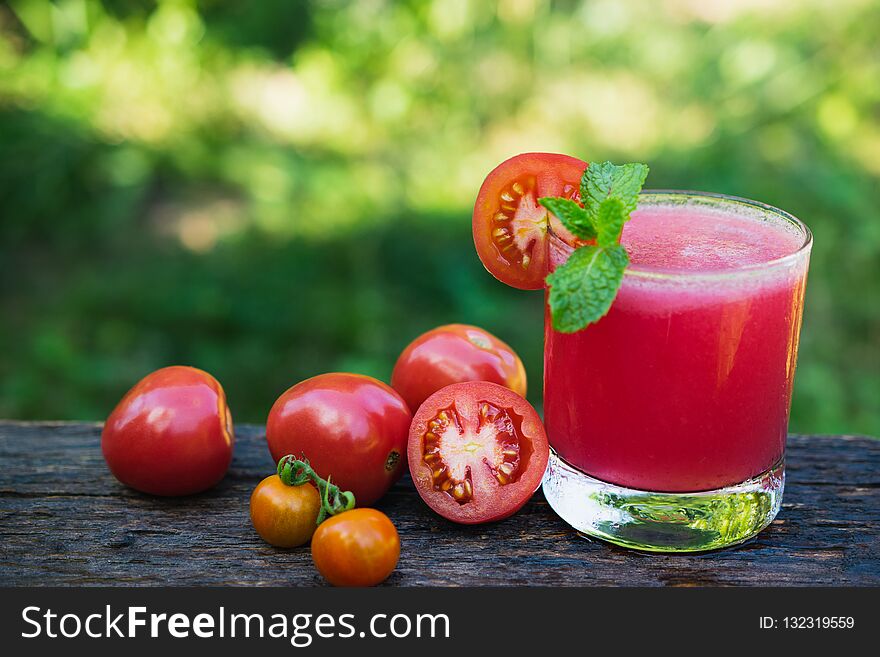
(668, 417)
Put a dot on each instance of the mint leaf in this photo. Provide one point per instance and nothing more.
(572, 216)
(583, 288)
(603, 180)
(610, 218)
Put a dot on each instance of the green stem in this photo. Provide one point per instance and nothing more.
(296, 472)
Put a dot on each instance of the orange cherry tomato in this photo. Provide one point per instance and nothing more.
(285, 516)
(356, 548)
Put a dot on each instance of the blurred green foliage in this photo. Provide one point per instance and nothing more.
(270, 190)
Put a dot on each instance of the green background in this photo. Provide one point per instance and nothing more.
(270, 190)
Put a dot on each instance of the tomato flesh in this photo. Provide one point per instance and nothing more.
(510, 227)
(477, 452)
(496, 442)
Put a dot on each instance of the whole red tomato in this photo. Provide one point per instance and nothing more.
(356, 548)
(352, 429)
(455, 353)
(171, 434)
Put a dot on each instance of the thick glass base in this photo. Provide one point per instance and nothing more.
(663, 522)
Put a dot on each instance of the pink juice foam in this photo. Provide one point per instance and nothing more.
(696, 241)
(685, 385)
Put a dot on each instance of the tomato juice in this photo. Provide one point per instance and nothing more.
(685, 385)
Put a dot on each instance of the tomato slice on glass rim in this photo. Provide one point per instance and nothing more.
(510, 226)
(477, 452)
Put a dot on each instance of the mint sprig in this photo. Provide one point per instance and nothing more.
(572, 216)
(583, 288)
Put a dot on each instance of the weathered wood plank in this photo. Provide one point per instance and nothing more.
(65, 520)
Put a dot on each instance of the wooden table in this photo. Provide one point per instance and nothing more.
(64, 520)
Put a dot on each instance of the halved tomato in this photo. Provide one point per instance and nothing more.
(477, 452)
(510, 226)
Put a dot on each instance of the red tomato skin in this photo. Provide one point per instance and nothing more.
(347, 426)
(552, 171)
(455, 353)
(510, 498)
(171, 434)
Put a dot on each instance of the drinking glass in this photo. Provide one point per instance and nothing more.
(667, 418)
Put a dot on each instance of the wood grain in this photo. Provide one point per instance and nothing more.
(64, 520)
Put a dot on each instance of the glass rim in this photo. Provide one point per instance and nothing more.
(659, 273)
